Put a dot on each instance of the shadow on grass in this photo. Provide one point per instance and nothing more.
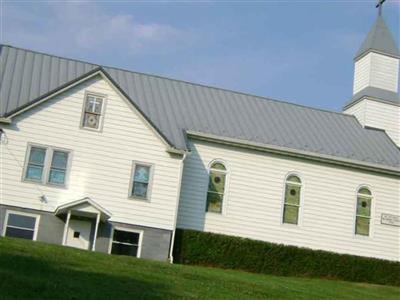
(23, 277)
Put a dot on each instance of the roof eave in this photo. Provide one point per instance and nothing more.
(383, 169)
(361, 55)
(69, 205)
(366, 97)
(51, 94)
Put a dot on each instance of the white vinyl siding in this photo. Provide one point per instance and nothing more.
(376, 70)
(378, 115)
(102, 163)
(384, 72)
(358, 110)
(254, 209)
(384, 116)
(362, 73)
(379, 71)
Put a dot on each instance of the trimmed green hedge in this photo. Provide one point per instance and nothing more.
(216, 250)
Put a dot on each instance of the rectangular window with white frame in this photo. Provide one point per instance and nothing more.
(58, 167)
(141, 181)
(21, 225)
(126, 242)
(47, 165)
(36, 163)
(93, 111)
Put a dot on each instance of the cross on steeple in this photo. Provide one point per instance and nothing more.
(379, 5)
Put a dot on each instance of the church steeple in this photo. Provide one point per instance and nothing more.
(379, 40)
(376, 64)
(376, 102)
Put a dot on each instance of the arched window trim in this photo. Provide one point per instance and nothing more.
(301, 203)
(226, 172)
(218, 160)
(364, 187)
(371, 217)
(294, 182)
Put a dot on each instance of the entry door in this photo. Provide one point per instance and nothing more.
(78, 235)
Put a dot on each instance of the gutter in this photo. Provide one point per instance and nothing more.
(5, 120)
(176, 151)
(171, 250)
(296, 153)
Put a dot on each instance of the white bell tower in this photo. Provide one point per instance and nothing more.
(375, 102)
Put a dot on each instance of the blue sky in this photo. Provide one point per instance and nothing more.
(298, 51)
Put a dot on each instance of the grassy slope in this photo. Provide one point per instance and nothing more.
(39, 271)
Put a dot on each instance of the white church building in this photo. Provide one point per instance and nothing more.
(110, 160)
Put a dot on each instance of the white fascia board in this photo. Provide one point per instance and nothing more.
(296, 153)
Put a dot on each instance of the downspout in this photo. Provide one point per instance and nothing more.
(171, 257)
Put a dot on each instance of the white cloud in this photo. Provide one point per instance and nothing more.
(69, 28)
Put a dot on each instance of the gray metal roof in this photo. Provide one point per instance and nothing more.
(375, 93)
(174, 107)
(379, 39)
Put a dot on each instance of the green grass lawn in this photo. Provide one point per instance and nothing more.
(32, 270)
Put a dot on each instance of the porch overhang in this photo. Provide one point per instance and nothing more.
(84, 207)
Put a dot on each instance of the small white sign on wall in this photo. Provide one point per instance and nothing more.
(389, 219)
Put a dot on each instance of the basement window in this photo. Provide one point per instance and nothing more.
(21, 225)
(93, 111)
(126, 242)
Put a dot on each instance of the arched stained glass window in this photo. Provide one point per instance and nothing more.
(216, 187)
(292, 200)
(363, 213)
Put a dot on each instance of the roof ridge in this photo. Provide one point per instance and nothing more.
(229, 90)
(47, 54)
(185, 81)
